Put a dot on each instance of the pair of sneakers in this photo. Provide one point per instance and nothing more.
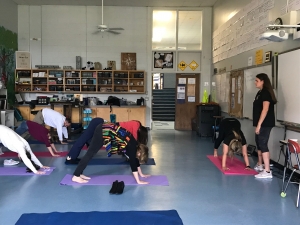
(10, 162)
(117, 187)
(263, 174)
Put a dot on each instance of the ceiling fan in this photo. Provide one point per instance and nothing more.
(104, 28)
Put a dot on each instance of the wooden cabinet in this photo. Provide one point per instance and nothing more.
(104, 113)
(130, 113)
(80, 81)
(25, 112)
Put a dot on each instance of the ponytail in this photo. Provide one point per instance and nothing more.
(235, 146)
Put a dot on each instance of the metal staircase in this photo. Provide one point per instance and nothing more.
(163, 104)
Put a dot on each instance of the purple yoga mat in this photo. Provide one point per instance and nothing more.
(158, 180)
(21, 171)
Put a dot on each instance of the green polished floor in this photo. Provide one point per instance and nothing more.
(198, 190)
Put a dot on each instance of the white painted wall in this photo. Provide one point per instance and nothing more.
(221, 11)
(67, 31)
(9, 15)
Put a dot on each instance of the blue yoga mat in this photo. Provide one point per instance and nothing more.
(164, 217)
(115, 161)
(32, 141)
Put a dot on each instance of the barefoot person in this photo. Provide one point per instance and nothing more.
(139, 132)
(108, 132)
(15, 143)
(233, 141)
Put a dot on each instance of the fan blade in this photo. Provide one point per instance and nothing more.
(113, 32)
(116, 28)
(96, 32)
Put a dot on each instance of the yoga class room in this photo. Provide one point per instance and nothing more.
(141, 112)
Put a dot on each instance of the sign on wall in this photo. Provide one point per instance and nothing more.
(163, 60)
(23, 60)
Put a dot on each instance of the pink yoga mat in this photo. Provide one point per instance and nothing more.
(236, 167)
(37, 154)
(21, 171)
(155, 180)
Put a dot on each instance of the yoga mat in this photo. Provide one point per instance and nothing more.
(20, 171)
(31, 141)
(86, 148)
(115, 161)
(37, 154)
(155, 180)
(235, 165)
(165, 217)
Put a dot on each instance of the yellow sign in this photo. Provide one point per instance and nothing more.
(259, 57)
(182, 65)
(193, 65)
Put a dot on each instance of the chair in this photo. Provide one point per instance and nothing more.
(292, 147)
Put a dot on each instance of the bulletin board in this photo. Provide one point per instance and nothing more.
(220, 90)
(236, 93)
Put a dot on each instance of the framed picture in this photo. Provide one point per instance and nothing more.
(268, 56)
(163, 60)
(128, 61)
(23, 60)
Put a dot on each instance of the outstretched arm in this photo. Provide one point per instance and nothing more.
(51, 151)
(224, 157)
(136, 176)
(245, 155)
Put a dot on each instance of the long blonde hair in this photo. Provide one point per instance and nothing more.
(143, 151)
(235, 146)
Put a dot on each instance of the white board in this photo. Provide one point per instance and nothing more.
(250, 90)
(288, 89)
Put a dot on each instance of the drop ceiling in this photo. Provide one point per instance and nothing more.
(138, 3)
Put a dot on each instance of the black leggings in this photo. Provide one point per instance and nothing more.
(95, 145)
(262, 139)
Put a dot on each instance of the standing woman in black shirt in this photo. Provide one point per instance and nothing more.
(263, 121)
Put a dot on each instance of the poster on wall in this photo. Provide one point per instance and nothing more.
(163, 60)
(23, 60)
(181, 93)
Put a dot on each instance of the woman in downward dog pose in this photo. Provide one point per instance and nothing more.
(16, 143)
(105, 134)
(139, 132)
(233, 141)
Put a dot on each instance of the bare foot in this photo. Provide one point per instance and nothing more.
(84, 177)
(78, 180)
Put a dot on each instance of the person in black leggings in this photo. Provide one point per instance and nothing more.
(233, 141)
(108, 132)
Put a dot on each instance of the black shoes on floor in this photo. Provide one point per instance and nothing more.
(117, 187)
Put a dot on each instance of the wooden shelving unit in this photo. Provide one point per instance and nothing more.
(80, 81)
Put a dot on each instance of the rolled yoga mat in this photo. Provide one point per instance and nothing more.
(21, 171)
(37, 154)
(155, 180)
(236, 167)
(165, 217)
